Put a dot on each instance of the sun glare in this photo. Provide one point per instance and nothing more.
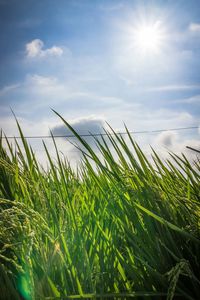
(148, 38)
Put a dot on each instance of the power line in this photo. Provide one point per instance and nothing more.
(101, 134)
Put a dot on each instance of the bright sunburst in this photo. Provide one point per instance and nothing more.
(148, 38)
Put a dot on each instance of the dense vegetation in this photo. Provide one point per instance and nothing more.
(112, 229)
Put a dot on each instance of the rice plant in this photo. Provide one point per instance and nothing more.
(115, 229)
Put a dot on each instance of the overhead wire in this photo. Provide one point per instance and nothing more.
(101, 134)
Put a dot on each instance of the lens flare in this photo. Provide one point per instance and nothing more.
(24, 287)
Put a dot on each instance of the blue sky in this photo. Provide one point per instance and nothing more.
(86, 60)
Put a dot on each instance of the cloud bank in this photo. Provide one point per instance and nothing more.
(85, 125)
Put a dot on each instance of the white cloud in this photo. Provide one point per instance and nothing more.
(176, 143)
(42, 88)
(167, 138)
(38, 80)
(174, 87)
(143, 119)
(191, 100)
(9, 126)
(8, 88)
(34, 49)
(57, 51)
(194, 27)
(84, 125)
(49, 91)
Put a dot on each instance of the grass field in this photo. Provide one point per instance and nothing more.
(112, 229)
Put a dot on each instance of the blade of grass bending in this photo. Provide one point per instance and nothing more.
(163, 221)
(73, 269)
(53, 287)
(25, 144)
(82, 141)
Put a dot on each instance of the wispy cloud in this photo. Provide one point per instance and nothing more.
(174, 87)
(45, 91)
(38, 80)
(35, 49)
(8, 88)
(194, 27)
(191, 100)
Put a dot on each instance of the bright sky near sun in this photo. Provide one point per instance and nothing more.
(133, 62)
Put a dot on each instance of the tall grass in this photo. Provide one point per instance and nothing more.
(114, 229)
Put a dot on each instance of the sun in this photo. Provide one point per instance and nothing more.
(148, 38)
